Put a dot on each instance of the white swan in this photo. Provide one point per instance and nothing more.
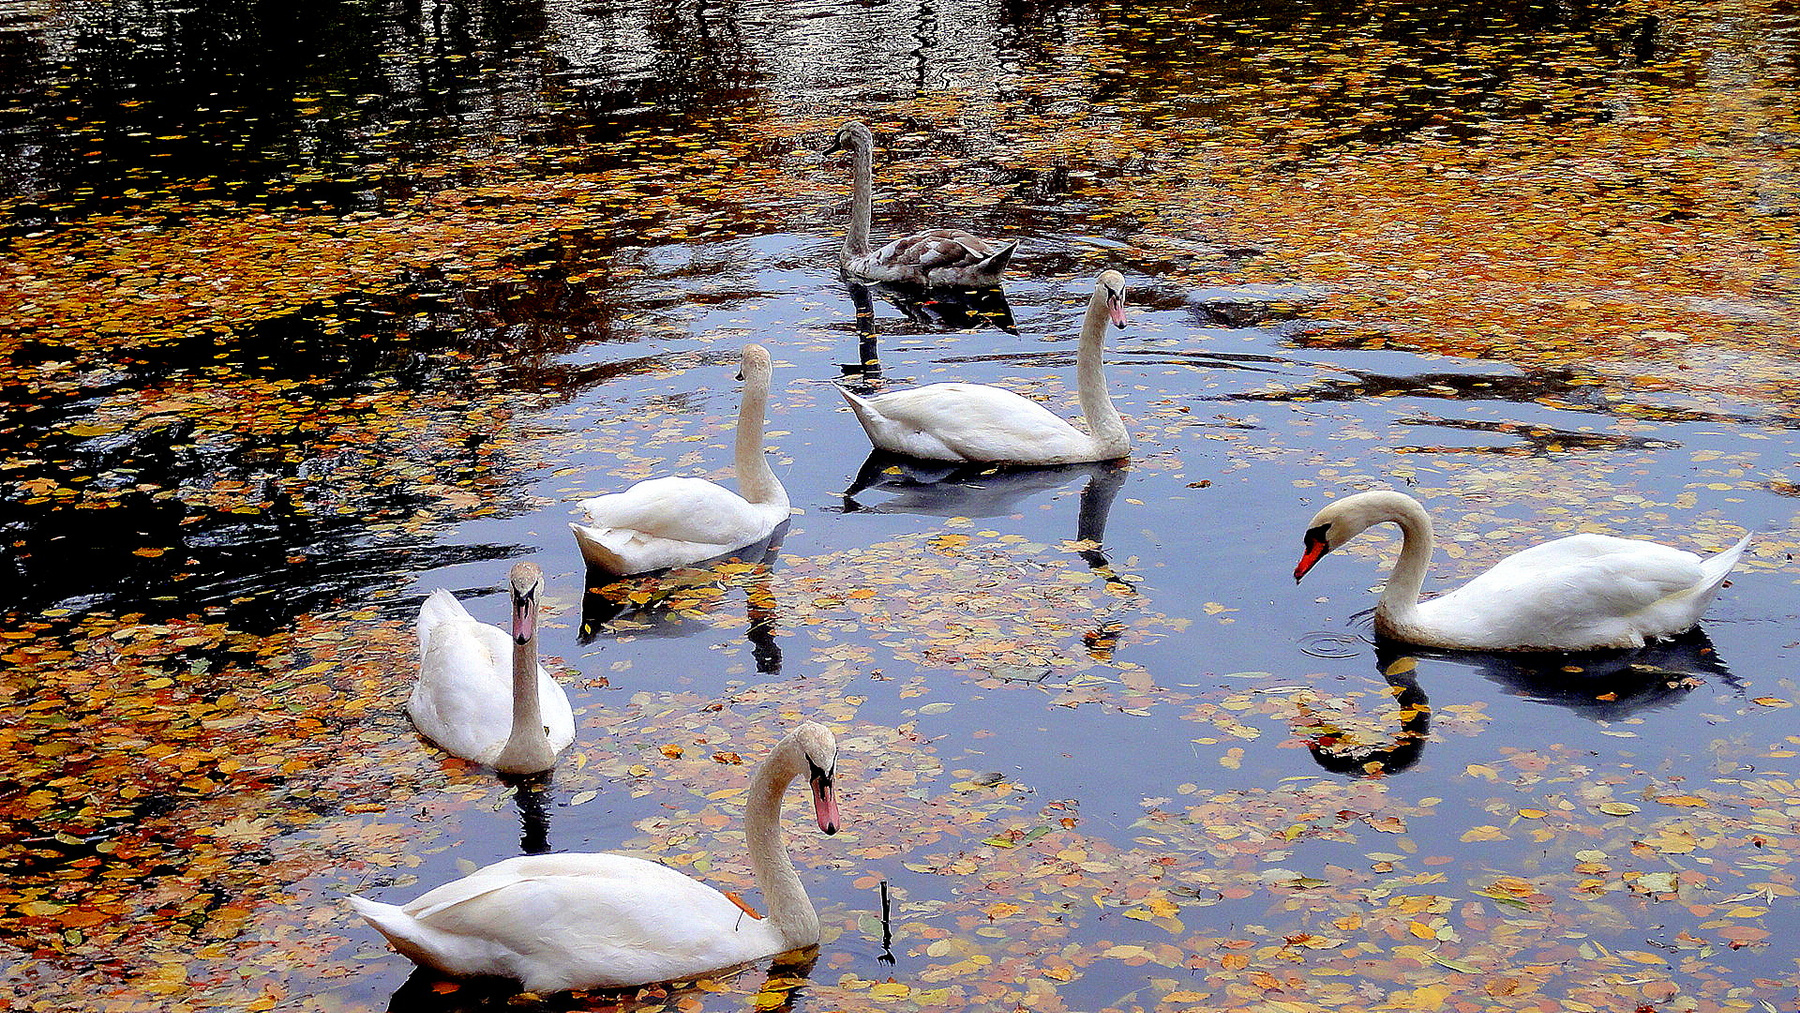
(482, 695)
(975, 422)
(940, 257)
(558, 922)
(1580, 593)
(666, 522)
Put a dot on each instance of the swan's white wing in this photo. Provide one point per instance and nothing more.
(680, 509)
(969, 422)
(463, 698)
(587, 920)
(438, 609)
(1584, 590)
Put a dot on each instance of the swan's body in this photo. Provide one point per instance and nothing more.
(967, 422)
(666, 522)
(1583, 592)
(481, 694)
(558, 922)
(938, 257)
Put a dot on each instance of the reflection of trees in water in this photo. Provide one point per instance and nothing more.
(1607, 686)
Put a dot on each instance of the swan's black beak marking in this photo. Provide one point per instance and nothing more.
(740, 376)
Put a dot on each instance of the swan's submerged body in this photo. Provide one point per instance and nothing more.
(577, 921)
(969, 422)
(473, 676)
(1583, 592)
(936, 257)
(665, 522)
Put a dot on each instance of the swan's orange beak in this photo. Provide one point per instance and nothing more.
(1316, 547)
(1117, 308)
(825, 801)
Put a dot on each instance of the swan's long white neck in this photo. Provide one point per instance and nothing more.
(1400, 599)
(862, 200)
(756, 480)
(527, 749)
(791, 912)
(1103, 421)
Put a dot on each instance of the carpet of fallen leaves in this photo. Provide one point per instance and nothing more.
(291, 397)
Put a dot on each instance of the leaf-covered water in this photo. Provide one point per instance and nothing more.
(307, 311)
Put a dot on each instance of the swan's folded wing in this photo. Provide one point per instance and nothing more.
(980, 423)
(1581, 581)
(463, 698)
(937, 249)
(438, 609)
(680, 509)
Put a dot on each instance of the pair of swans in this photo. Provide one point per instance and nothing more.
(581, 921)
(1580, 593)
(667, 522)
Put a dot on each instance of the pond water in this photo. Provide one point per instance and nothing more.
(296, 333)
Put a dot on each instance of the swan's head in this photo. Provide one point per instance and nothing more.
(1110, 290)
(755, 363)
(814, 749)
(852, 136)
(527, 589)
(1346, 518)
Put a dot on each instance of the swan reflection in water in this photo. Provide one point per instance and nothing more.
(941, 489)
(424, 991)
(607, 599)
(951, 309)
(1605, 686)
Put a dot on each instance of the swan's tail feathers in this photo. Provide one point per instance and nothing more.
(1717, 567)
(440, 608)
(996, 262)
(596, 550)
(865, 412)
(410, 938)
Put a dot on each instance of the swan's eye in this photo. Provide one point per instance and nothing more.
(1318, 536)
(820, 775)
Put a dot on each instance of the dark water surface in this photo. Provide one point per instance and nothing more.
(1106, 670)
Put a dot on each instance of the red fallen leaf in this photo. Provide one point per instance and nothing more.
(445, 987)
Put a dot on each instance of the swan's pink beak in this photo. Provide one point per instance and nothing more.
(1316, 547)
(1117, 311)
(825, 801)
(524, 618)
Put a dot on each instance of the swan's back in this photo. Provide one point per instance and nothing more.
(1583, 592)
(969, 422)
(556, 922)
(666, 522)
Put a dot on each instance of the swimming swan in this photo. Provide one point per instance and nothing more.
(975, 422)
(1580, 593)
(666, 522)
(567, 921)
(469, 703)
(942, 257)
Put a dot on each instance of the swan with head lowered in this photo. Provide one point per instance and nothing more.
(967, 422)
(666, 522)
(481, 694)
(568, 921)
(940, 257)
(1580, 593)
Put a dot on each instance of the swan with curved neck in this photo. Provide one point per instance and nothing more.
(472, 702)
(974, 422)
(664, 522)
(1583, 592)
(568, 921)
(940, 257)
